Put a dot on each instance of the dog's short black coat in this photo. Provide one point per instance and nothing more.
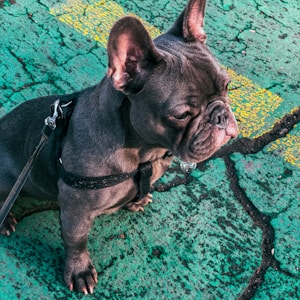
(169, 94)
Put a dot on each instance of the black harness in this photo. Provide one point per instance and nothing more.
(58, 121)
(142, 176)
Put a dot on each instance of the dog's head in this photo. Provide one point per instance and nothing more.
(177, 90)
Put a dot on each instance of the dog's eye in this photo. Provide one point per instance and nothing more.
(182, 117)
(227, 85)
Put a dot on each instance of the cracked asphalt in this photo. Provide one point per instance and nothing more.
(227, 230)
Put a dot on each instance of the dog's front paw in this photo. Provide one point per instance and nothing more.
(8, 225)
(136, 206)
(80, 274)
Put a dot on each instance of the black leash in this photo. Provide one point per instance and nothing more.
(49, 127)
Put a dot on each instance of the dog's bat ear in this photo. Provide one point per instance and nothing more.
(132, 55)
(190, 24)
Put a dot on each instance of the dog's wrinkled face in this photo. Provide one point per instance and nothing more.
(178, 92)
(187, 104)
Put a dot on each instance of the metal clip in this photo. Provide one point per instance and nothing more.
(57, 112)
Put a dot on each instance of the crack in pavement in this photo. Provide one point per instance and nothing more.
(250, 146)
(268, 236)
(258, 8)
(247, 146)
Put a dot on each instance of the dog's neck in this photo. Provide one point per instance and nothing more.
(120, 138)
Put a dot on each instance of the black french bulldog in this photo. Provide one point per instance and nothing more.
(166, 95)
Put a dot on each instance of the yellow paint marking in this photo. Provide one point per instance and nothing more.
(253, 106)
(93, 19)
(289, 147)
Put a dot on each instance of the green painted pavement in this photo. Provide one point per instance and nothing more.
(195, 241)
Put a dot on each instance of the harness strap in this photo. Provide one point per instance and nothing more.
(142, 175)
(92, 183)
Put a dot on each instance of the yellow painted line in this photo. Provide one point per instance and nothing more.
(93, 19)
(253, 105)
(289, 147)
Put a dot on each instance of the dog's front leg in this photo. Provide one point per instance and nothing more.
(76, 221)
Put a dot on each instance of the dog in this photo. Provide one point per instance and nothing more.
(159, 99)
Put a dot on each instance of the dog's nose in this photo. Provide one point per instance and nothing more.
(218, 114)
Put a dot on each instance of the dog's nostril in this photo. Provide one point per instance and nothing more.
(219, 117)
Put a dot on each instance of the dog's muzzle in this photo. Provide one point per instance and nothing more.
(214, 130)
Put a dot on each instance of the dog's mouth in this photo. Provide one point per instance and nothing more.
(210, 134)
